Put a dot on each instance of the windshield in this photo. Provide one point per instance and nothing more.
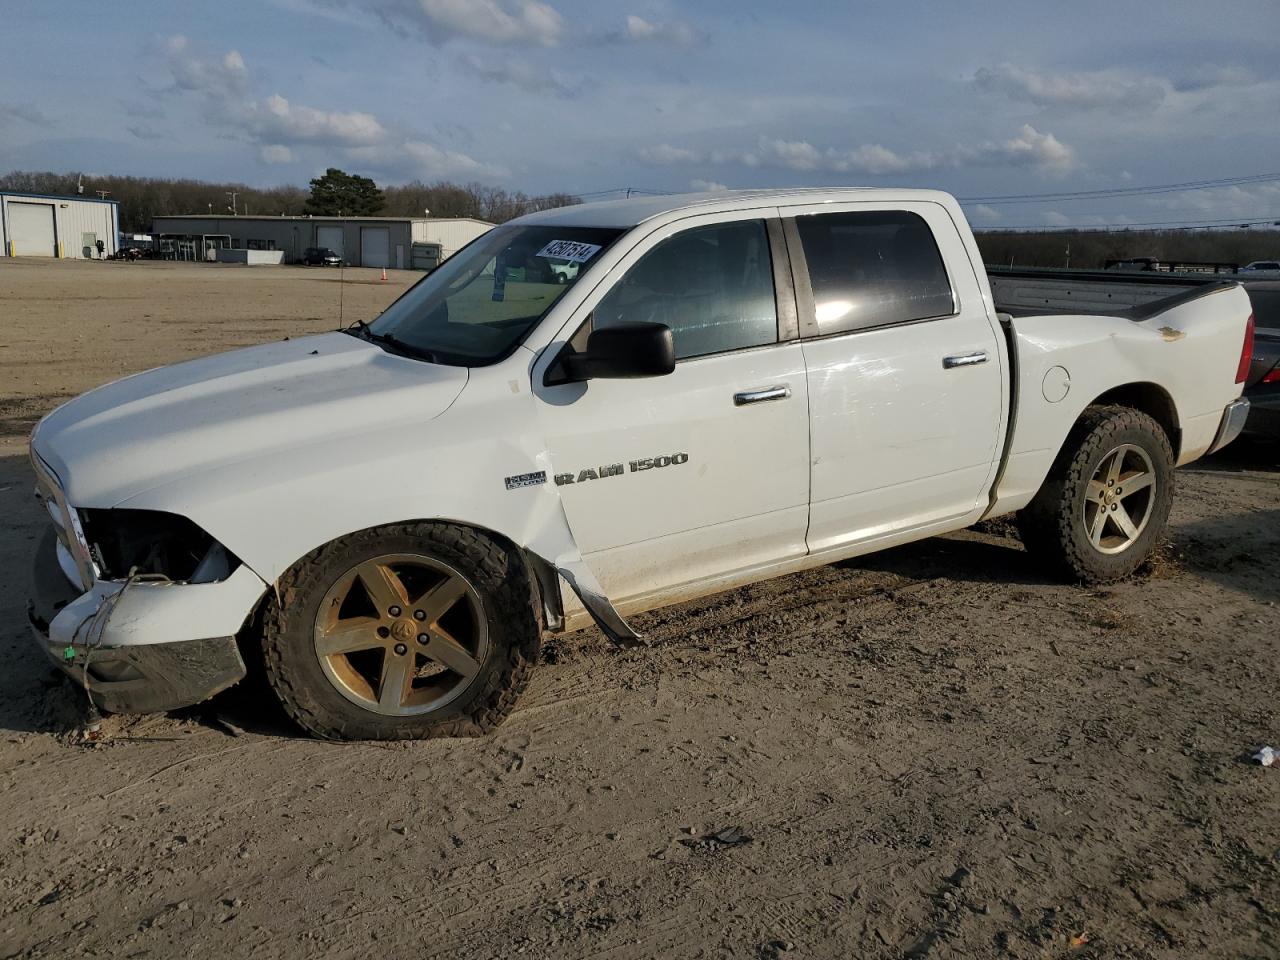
(482, 301)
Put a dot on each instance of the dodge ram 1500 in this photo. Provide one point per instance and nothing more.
(725, 388)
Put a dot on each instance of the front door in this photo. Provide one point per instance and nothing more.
(904, 365)
(704, 472)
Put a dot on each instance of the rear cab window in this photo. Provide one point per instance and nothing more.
(872, 269)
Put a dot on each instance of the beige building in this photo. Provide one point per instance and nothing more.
(395, 242)
(40, 225)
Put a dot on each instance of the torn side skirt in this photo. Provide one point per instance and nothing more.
(579, 576)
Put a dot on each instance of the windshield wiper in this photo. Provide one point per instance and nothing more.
(363, 330)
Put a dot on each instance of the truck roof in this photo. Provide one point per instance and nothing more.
(636, 210)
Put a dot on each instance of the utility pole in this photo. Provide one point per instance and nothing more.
(1068, 254)
(231, 195)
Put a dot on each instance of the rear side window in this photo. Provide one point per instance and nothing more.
(873, 269)
(713, 286)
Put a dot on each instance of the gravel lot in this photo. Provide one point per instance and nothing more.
(929, 752)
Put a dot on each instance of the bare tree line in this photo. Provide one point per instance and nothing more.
(1091, 249)
(143, 198)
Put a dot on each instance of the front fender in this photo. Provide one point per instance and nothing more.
(484, 463)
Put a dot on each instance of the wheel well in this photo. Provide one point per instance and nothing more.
(1151, 399)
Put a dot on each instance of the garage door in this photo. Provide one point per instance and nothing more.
(31, 229)
(330, 237)
(375, 247)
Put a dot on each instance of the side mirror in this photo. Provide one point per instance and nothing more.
(621, 351)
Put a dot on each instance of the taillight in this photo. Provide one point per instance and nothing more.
(1246, 353)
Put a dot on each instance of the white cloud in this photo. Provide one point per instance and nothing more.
(1099, 88)
(278, 127)
(1056, 218)
(501, 22)
(985, 213)
(526, 76)
(418, 159)
(665, 153)
(276, 153)
(227, 77)
(275, 119)
(1030, 148)
(708, 186)
(19, 111)
(144, 132)
(674, 32)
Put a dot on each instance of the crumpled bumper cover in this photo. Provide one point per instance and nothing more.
(145, 678)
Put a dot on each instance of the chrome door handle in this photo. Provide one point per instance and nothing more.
(744, 397)
(965, 359)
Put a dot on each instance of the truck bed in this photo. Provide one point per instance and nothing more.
(1021, 293)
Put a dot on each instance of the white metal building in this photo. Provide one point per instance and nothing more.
(452, 233)
(40, 225)
(361, 241)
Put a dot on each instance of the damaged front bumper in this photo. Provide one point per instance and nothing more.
(105, 638)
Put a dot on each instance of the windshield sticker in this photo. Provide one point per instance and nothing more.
(570, 250)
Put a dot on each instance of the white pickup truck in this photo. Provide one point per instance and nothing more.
(730, 387)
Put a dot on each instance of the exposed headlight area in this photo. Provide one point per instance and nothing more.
(74, 556)
(118, 544)
(152, 544)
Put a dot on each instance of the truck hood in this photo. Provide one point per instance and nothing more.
(119, 440)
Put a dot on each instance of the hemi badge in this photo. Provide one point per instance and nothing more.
(526, 480)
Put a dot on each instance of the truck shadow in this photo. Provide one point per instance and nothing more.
(989, 553)
(1247, 454)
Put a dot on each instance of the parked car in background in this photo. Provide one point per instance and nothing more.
(320, 257)
(729, 388)
(1262, 266)
(563, 270)
(1262, 387)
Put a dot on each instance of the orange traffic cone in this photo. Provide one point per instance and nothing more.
(384, 273)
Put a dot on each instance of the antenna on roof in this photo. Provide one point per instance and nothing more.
(80, 185)
(342, 270)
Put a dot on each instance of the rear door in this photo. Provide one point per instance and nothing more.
(683, 478)
(905, 382)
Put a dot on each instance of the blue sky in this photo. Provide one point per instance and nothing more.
(981, 99)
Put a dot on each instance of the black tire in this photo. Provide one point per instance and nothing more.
(506, 597)
(1053, 525)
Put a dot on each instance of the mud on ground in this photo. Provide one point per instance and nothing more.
(931, 752)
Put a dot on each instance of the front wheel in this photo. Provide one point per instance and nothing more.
(420, 630)
(1106, 502)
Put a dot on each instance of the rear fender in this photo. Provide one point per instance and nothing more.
(1186, 355)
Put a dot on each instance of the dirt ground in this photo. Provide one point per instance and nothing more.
(931, 752)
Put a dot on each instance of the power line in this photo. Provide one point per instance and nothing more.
(1166, 224)
(1123, 191)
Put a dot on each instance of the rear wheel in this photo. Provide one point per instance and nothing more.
(1106, 501)
(400, 632)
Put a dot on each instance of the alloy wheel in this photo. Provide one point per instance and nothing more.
(401, 634)
(1119, 499)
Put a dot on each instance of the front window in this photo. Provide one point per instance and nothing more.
(485, 299)
(713, 286)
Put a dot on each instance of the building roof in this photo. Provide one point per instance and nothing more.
(55, 196)
(313, 219)
(276, 219)
(629, 213)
